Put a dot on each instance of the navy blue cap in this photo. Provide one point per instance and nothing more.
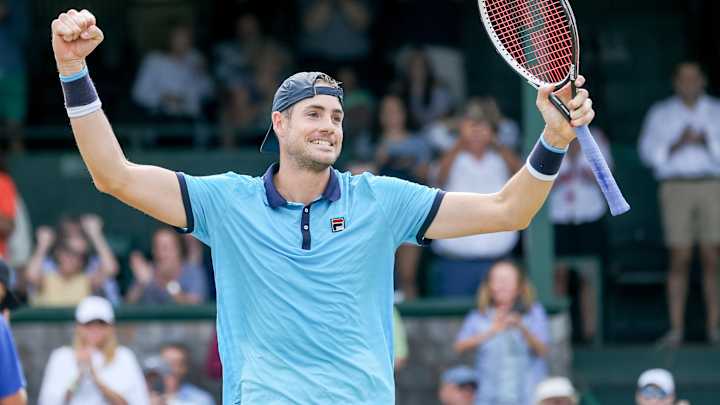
(295, 88)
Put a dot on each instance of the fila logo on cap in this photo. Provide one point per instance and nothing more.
(337, 224)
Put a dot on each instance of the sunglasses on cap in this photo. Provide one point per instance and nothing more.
(653, 392)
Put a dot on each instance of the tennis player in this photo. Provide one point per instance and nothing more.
(303, 255)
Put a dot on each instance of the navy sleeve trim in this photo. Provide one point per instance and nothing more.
(429, 219)
(189, 217)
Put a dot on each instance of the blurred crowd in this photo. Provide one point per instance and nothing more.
(418, 126)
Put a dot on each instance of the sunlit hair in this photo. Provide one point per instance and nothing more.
(108, 347)
(526, 291)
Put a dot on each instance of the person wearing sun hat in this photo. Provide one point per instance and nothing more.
(95, 369)
(657, 387)
(555, 391)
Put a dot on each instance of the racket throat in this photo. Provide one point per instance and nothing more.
(560, 106)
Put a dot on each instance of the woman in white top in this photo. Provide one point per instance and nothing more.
(95, 370)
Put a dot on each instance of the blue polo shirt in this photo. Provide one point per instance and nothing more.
(305, 293)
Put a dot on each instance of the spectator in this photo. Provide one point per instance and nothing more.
(427, 99)
(170, 277)
(656, 387)
(8, 301)
(347, 22)
(458, 386)
(66, 286)
(400, 343)
(509, 333)
(14, 33)
(12, 380)
(477, 163)
(508, 131)
(555, 391)
(177, 389)
(156, 371)
(404, 155)
(8, 206)
(173, 83)
(577, 210)
(75, 238)
(95, 370)
(680, 141)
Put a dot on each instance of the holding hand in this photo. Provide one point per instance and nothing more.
(558, 131)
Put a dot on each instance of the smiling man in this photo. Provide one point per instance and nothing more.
(303, 255)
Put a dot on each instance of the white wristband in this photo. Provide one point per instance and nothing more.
(77, 112)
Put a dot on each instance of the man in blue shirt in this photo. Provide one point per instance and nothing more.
(12, 381)
(303, 255)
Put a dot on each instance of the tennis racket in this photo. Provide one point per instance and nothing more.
(539, 40)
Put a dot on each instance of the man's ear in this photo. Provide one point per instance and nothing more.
(279, 123)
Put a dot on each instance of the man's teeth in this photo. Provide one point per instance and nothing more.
(321, 142)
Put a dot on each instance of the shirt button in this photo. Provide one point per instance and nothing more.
(305, 227)
(307, 210)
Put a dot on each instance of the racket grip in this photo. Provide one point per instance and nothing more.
(600, 169)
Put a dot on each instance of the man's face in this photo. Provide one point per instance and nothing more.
(312, 135)
(689, 81)
(452, 394)
(177, 361)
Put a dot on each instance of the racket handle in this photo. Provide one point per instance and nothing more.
(600, 169)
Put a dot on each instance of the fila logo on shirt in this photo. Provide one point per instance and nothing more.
(337, 224)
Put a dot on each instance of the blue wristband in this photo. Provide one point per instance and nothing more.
(81, 98)
(545, 160)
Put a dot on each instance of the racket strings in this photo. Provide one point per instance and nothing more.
(536, 34)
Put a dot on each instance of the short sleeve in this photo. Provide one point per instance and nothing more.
(205, 199)
(11, 375)
(537, 323)
(409, 207)
(470, 327)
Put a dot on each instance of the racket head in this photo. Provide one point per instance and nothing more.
(537, 38)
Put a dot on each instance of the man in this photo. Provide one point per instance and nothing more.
(478, 163)
(680, 141)
(303, 256)
(177, 389)
(12, 381)
(458, 386)
(555, 391)
(656, 387)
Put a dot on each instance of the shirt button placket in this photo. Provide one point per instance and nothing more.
(305, 227)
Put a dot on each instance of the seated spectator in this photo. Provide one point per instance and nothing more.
(509, 333)
(555, 391)
(477, 163)
(14, 35)
(458, 386)
(173, 83)
(68, 284)
(426, 98)
(347, 22)
(404, 155)
(656, 387)
(95, 369)
(577, 210)
(74, 239)
(177, 389)
(170, 277)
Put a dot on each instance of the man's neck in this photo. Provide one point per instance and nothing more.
(300, 185)
(691, 102)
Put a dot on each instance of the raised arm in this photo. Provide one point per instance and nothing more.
(152, 190)
(513, 207)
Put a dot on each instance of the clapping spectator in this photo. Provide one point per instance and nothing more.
(173, 84)
(477, 163)
(509, 333)
(95, 369)
(508, 131)
(170, 277)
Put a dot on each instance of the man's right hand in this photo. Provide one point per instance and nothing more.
(74, 36)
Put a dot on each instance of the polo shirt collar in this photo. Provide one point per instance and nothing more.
(331, 192)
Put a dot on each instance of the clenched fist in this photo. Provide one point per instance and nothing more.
(74, 36)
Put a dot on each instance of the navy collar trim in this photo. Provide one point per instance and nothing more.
(331, 192)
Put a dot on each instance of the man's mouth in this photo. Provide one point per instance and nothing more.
(321, 142)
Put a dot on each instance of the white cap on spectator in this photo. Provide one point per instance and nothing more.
(94, 308)
(554, 387)
(659, 377)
